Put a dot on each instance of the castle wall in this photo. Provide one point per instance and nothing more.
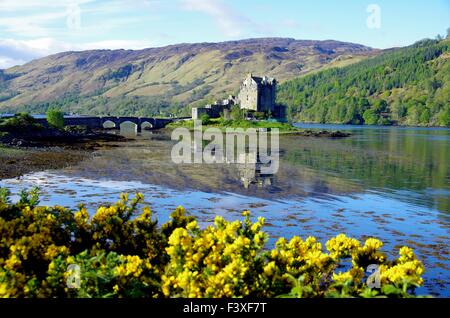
(267, 98)
(213, 111)
(249, 95)
(198, 112)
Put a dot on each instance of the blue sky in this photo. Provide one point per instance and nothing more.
(35, 28)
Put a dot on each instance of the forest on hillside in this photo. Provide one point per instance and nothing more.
(406, 86)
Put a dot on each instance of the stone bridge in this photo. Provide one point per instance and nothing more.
(113, 122)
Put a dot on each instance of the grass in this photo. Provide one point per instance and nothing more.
(244, 124)
(7, 152)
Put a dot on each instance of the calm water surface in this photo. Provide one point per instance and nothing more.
(391, 183)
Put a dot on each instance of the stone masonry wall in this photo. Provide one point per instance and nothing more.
(248, 95)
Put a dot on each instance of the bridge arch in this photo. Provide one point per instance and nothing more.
(147, 125)
(109, 124)
(127, 124)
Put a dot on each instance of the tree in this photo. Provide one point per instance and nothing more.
(425, 116)
(55, 118)
(237, 113)
(394, 85)
(448, 33)
(205, 119)
(370, 117)
(379, 105)
(444, 117)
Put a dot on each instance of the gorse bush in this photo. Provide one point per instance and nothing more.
(120, 252)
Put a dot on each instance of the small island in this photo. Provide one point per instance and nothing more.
(284, 128)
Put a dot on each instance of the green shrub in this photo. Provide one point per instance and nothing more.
(55, 118)
(260, 115)
(19, 121)
(205, 119)
(237, 113)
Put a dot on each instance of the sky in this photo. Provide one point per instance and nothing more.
(31, 29)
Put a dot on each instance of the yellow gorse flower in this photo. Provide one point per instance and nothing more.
(123, 253)
(342, 246)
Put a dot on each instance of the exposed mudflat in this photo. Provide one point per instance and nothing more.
(22, 153)
(15, 162)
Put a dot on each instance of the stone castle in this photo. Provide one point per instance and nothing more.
(257, 94)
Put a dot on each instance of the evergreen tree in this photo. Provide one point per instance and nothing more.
(407, 86)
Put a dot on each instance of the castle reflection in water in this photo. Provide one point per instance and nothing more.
(250, 172)
(248, 164)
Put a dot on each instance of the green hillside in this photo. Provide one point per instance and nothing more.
(406, 86)
(165, 80)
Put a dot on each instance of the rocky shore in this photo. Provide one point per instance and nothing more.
(324, 133)
(25, 149)
(48, 137)
(15, 162)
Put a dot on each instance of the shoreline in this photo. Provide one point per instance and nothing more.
(23, 152)
(372, 126)
(283, 128)
(18, 161)
(299, 132)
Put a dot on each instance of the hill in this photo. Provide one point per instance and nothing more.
(158, 81)
(407, 86)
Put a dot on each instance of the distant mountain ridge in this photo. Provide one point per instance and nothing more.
(163, 80)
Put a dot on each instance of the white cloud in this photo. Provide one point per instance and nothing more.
(62, 18)
(15, 5)
(21, 51)
(38, 18)
(33, 25)
(6, 62)
(121, 6)
(17, 52)
(230, 22)
(31, 29)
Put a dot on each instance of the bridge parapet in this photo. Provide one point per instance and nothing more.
(91, 122)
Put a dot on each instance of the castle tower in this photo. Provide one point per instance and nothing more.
(258, 94)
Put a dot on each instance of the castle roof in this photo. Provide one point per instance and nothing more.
(257, 79)
(262, 80)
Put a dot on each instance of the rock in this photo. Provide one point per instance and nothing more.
(325, 133)
(339, 134)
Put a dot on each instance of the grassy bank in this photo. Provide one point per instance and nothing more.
(244, 124)
(122, 252)
(283, 128)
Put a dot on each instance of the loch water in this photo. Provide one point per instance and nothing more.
(386, 182)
